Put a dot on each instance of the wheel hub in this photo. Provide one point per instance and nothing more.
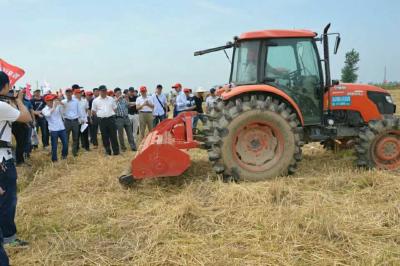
(388, 148)
(257, 146)
(386, 153)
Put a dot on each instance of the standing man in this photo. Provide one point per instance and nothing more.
(122, 121)
(145, 107)
(93, 119)
(181, 100)
(104, 108)
(160, 105)
(53, 113)
(8, 173)
(132, 111)
(211, 100)
(83, 120)
(71, 114)
(198, 100)
(179, 93)
(38, 104)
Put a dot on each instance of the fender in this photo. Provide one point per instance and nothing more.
(263, 88)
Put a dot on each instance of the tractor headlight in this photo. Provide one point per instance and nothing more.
(389, 99)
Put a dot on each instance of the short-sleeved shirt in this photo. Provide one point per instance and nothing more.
(132, 109)
(8, 114)
(199, 104)
(122, 107)
(83, 107)
(54, 118)
(210, 101)
(146, 109)
(38, 105)
(104, 107)
(158, 108)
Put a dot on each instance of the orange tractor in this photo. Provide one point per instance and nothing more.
(282, 98)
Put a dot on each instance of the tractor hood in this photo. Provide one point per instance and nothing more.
(357, 88)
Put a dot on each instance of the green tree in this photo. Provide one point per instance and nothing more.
(349, 71)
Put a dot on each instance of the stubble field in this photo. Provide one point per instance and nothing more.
(329, 212)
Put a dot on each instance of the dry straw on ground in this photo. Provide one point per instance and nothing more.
(76, 213)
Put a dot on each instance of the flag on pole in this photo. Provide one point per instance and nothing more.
(13, 72)
(28, 91)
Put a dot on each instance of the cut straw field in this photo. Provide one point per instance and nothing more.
(330, 212)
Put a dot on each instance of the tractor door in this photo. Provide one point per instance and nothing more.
(293, 65)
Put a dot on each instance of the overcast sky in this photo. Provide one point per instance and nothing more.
(133, 43)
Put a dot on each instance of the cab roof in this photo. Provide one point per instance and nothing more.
(265, 34)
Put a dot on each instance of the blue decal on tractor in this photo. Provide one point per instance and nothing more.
(341, 100)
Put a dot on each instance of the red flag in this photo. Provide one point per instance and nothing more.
(13, 72)
(28, 91)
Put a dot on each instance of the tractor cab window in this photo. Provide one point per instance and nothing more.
(245, 63)
(292, 65)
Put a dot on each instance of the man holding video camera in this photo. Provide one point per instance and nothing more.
(12, 109)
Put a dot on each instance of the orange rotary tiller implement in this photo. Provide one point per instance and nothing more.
(163, 152)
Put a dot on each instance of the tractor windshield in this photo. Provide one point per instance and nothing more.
(245, 63)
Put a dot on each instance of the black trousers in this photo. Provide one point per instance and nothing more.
(108, 129)
(20, 132)
(41, 123)
(84, 137)
(93, 130)
(74, 127)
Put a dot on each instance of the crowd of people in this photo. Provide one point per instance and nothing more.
(78, 115)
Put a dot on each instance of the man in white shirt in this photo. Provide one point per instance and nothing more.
(104, 108)
(211, 100)
(83, 110)
(145, 106)
(160, 106)
(72, 116)
(179, 96)
(181, 101)
(8, 173)
(53, 114)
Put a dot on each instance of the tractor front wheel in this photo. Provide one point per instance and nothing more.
(379, 145)
(255, 139)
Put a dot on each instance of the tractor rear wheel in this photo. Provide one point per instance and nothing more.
(254, 138)
(379, 145)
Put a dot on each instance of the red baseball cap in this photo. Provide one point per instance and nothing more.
(186, 90)
(50, 97)
(143, 89)
(110, 93)
(177, 85)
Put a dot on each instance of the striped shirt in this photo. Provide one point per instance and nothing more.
(122, 107)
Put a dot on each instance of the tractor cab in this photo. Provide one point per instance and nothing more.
(278, 59)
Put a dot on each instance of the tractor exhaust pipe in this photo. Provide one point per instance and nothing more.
(328, 81)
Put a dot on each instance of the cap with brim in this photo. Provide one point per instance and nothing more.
(102, 88)
(159, 86)
(50, 97)
(143, 89)
(68, 90)
(186, 90)
(37, 90)
(177, 85)
(212, 90)
(76, 86)
(131, 89)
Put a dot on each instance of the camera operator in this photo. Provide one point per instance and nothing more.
(8, 174)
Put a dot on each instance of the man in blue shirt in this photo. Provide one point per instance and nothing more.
(71, 114)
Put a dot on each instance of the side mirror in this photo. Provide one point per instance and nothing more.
(335, 82)
(337, 43)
